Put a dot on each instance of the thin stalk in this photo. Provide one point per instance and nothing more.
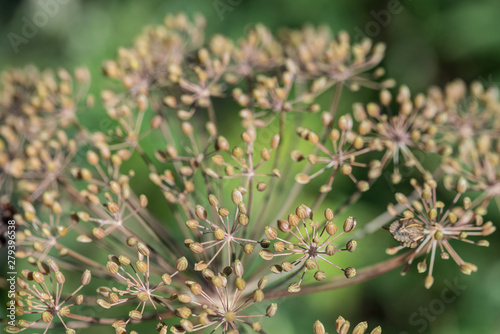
(338, 282)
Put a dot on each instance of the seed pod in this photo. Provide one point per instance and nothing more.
(256, 327)
(104, 304)
(143, 296)
(360, 328)
(318, 328)
(461, 185)
(401, 199)
(331, 228)
(330, 250)
(217, 281)
(303, 212)
(53, 265)
(346, 169)
(222, 144)
(196, 289)
(270, 232)
(223, 212)
(143, 201)
(284, 226)
(84, 239)
(275, 140)
(196, 247)
(219, 234)
(276, 269)
(329, 214)
(294, 288)
(92, 158)
(142, 266)
(98, 233)
(240, 283)
(143, 249)
(310, 264)
(38, 277)
(131, 241)
(271, 310)
(238, 268)
(182, 264)
(363, 186)
(422, 267)
(183, 312)
(192, 224)
(261, 186)
(349, 272)
(293, 220)
(262, 282)
(351, 245)
(296, 155)
(279, 246)
(345, 123)
(135, 315)
(349, 224)
(184, 298)
(59, 277)
(113, 297)
(248, 248)
(302, 178)
(47, 317)
(286, 266)
(483, 243)
(258, 296)
(79, 300)
(429, 281)
(319, 275)
(266, 255)
(201, 213)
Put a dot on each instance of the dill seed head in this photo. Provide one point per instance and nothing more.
(429, 225)
(309, 244)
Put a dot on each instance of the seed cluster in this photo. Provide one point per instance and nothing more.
(202, 155)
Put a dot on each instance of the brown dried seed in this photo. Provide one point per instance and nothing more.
(349, 272)
(182, 264)
(135, 315)
(302, 178)
(262, 282)
(266, 254)
(349, 224)
(294, 288)
(258, 296)
(271, 310)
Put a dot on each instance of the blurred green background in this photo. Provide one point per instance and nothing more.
(428, 42)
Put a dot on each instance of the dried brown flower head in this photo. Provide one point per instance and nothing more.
(428, 227)
(310, 242)
(226, 231)
(346, 146)
(397, 135)
(44, 298)
(224, 302)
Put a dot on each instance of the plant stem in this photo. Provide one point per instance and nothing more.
(362, 275)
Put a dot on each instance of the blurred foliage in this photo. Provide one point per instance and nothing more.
(429, 42)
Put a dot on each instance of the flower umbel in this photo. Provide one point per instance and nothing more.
(223, 303)
(45, 299)
(429, 227)
(225, 231)
(310, 242)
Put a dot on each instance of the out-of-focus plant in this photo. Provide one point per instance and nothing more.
(207, 261)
